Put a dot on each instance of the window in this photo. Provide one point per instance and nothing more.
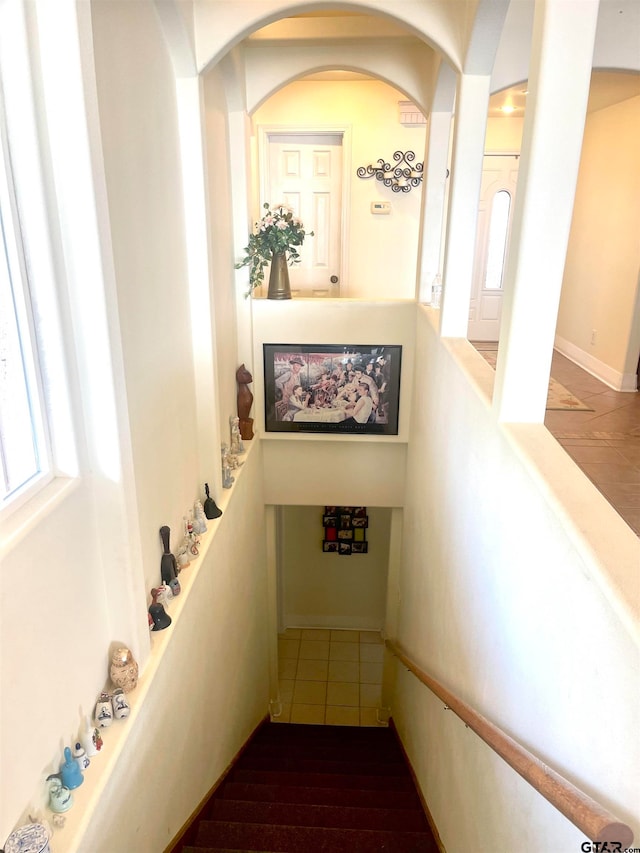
(498, 233)
(24, 455)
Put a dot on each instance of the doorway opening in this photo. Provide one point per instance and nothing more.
(332, 613)
(304, 170)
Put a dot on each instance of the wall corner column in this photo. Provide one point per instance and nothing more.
(561, 59)
(472, 104)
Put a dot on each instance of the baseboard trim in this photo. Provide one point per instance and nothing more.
(182, 839)
(626, 382)
(423, 802)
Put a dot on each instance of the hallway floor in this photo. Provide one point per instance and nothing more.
(332, 677)
(604, 443)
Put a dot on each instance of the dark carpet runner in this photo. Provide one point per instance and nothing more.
(315, 789)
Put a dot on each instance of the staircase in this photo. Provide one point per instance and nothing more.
(315, 789)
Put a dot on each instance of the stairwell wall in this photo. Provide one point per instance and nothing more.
(529, 580)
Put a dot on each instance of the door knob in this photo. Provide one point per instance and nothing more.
(334, 279)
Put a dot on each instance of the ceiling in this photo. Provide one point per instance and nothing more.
(607, 88)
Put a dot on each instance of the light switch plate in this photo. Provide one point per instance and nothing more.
(381, 207)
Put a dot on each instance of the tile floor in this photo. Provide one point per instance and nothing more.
(332, 677)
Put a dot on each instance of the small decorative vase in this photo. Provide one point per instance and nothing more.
(279, 287)
(124, 669)
(81, 757)
(91, 738)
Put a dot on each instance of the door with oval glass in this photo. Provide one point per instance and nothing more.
(305, 171)
(499, 179)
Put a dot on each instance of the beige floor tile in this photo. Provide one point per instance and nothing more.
(291, 634)
(310, 692)
(287, 667)
(288, 649)
(341, 716)
(314, 650)
(370, 673)
(344, 651)
(345, 636)
(323, 634)
(343, 670)
(369, 717)
(285, 687)
(312, 670)
(343, 693)
(370, 637)
(371, 652)
(370, 695)
(284, 716)
(310, 714)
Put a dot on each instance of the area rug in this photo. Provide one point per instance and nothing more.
(559, 398)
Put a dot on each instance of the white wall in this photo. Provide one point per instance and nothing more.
(138, 117)
(348, 470)
(328, 590)
(600, 290)
(79, 586)
(202, 694)
(532, 619)
(381, 258)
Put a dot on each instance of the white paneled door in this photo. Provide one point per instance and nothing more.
(499, 179)
(305, 172)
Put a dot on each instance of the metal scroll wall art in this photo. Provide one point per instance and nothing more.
(401, 178)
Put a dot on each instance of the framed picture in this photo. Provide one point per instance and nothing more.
(345, 535)
(330, 547)
(360, 521)
(359, 547)
(330, 521)
(344, 548)
(326, 388)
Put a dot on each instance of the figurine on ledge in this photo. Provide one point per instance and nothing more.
(245, 401)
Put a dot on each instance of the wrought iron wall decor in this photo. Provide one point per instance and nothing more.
(401, 178)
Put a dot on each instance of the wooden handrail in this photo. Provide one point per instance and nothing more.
(590, 817)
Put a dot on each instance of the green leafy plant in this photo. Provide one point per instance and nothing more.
(278, 231)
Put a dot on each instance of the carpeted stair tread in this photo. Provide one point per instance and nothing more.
(298, 764)
(314, 789)
(321, 796)
(191, 849)
(304, 839)
(323, 780)
(296, 732)
(302, 814)
(386, 753)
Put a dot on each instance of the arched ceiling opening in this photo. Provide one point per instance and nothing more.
(441, 25)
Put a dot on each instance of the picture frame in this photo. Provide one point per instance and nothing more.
(346, 389)
(359, 547)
